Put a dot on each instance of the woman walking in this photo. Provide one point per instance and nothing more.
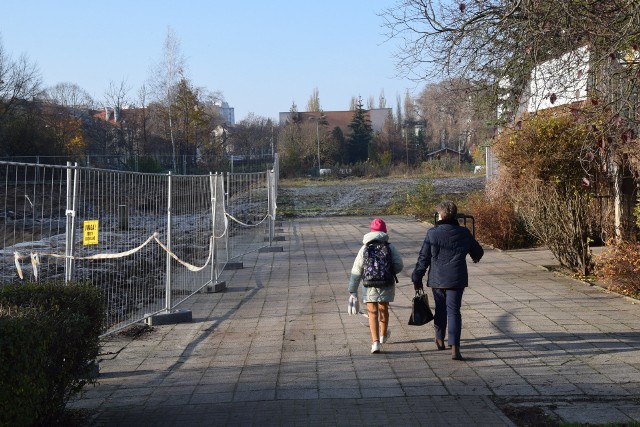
(444, 253)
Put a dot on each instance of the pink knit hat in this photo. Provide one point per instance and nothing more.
(378, 225)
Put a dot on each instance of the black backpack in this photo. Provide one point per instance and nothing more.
(378, 265)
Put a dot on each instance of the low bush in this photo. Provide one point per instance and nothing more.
(497, 224)
(619, 268)
(419, 203)
(49, 342)
(144, 164)
(23, 353)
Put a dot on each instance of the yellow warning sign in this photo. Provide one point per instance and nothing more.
(90, 235)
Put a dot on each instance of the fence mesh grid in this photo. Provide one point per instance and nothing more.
(149, 241)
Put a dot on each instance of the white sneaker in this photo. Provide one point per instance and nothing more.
(375, 347)
(385, 338)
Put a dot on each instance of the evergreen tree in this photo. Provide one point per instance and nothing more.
(338, 141)
(399, 118)
(360, 135)
(294, 115)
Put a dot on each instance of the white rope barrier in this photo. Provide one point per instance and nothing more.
(248, 225)
(190, 267)
(226, 228)
(35, 257)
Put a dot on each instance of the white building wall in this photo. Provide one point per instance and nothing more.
(227, 113)
(559, 81)
(553, 83)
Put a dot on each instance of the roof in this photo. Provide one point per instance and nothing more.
(444, 151)
(341, 119)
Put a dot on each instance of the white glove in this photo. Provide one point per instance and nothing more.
(354, 304)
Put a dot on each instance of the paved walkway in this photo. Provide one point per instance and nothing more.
(278, 348)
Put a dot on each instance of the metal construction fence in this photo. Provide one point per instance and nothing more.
(159, 163)
(149, 241)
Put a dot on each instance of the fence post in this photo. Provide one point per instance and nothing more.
(169, 317)
(168, 278)
(227, 194)
(276, 172)
(270, 206)
(215, 285)
(70, 223)
(214, 262)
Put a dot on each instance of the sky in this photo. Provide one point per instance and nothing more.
(262, 56)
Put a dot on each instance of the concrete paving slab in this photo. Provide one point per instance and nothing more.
(277, 347)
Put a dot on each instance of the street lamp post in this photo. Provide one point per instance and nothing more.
(318, 138)
(406, 145)
(317, 119)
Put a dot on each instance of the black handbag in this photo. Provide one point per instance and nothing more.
(420, 311)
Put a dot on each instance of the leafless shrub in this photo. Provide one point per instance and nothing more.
(557, 214)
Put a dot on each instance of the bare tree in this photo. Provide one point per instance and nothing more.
(19, 85)
(455, 115)
(20, 80)
(390, 140)
(409, 108)
(142, 118)
(168, 72)
(382, 100)
(353, 103)
(314, 101)
(371, 103)
(399, 116)
(69, 95)
(535, 51)
(501, 42)
(252, 136)
(116, 97)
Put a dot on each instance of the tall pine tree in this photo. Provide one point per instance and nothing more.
(360, 135)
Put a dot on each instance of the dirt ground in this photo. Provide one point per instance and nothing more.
(361, 196)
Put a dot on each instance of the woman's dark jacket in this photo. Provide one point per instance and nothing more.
(445, 249)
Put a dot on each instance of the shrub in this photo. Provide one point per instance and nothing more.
(23, 353)
(497, 223)
(619, 267)
(545, 147)
(636, 211)
(50, 339)
(419, 203)
(541, 164)
(144, 164)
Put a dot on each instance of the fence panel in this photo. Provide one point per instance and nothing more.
(128, 209)
(248, 212)
(32, 218)
(191, 235)
(149, 241)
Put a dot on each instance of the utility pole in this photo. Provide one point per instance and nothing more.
(317, 119)
(318, 138)
(406, 144)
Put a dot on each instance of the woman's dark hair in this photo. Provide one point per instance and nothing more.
(447, 210)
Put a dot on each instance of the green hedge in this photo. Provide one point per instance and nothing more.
(49, 340)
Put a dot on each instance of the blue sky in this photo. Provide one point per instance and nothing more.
(261, 55)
